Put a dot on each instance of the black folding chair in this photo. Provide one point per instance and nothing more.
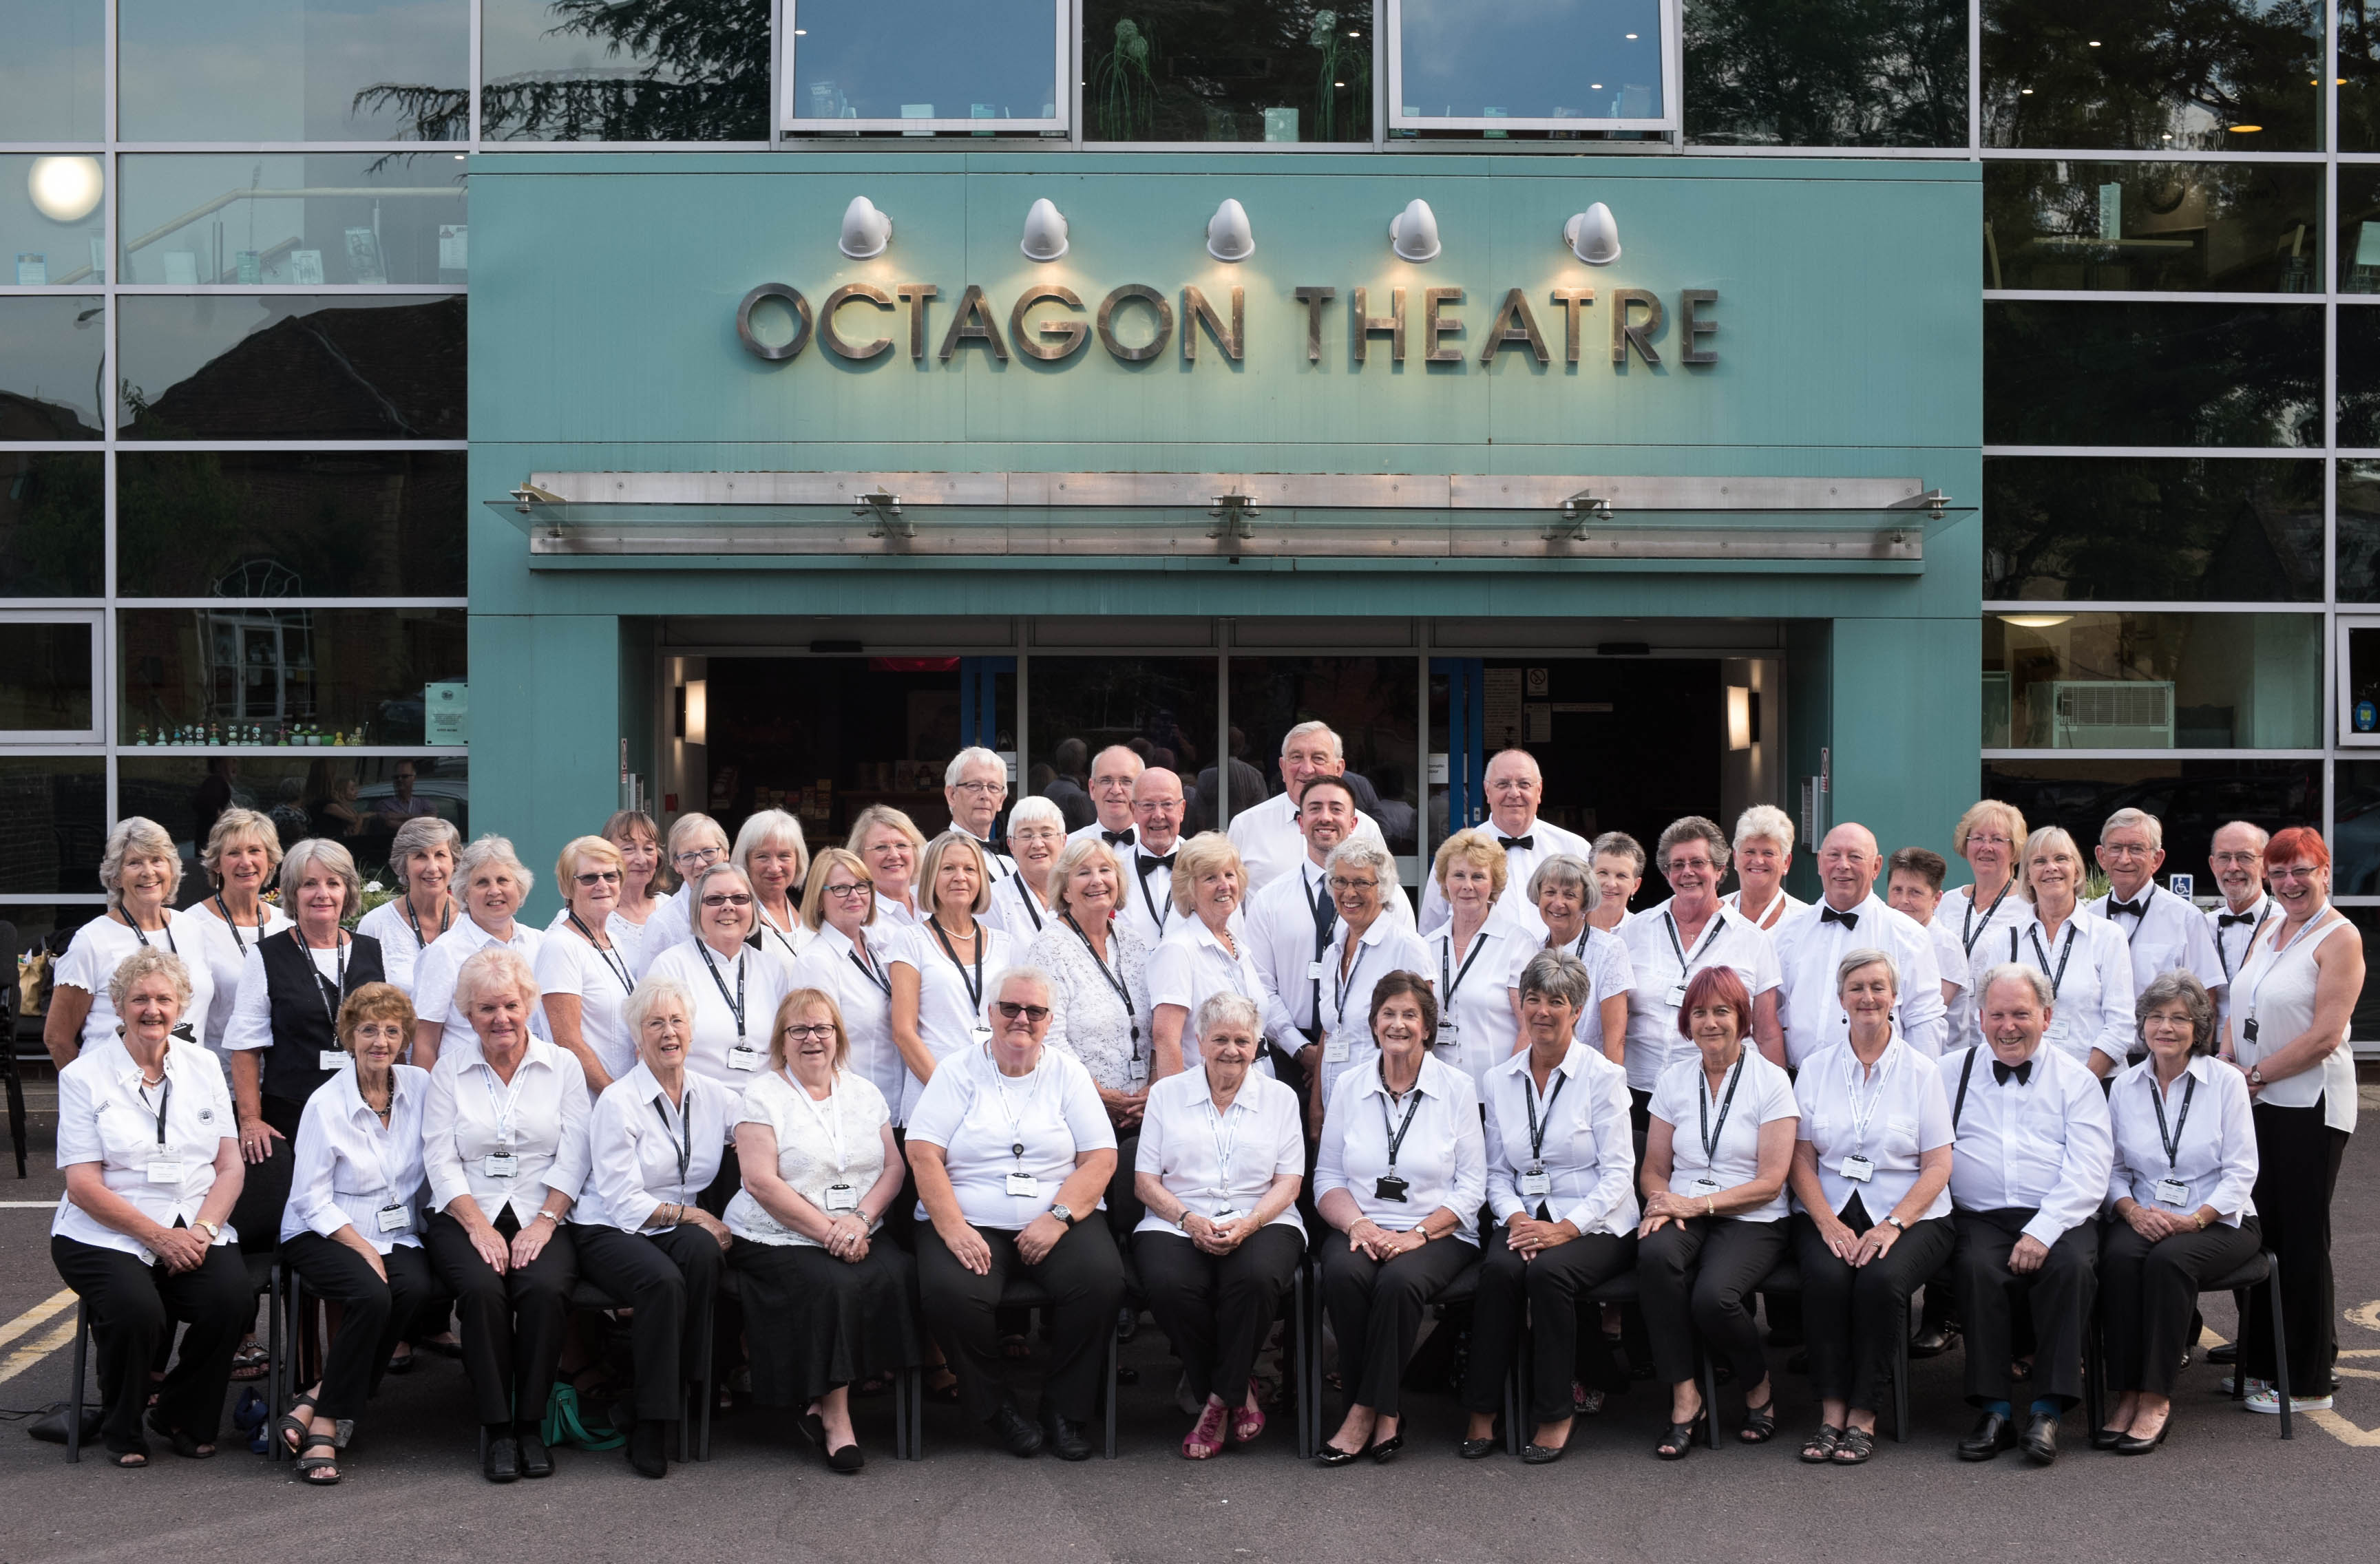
(2264, 1271)
(1457, 1293)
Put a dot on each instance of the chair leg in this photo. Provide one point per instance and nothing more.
(1522, 1372)
(283, 1323)
(1310, 1371)
(1116, 1361)
(1900, 1386)
(1709, 1376)
(2280, 1355)
(81, 1361)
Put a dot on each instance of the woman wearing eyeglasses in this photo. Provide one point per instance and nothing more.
(735, 991)
(696, 841)
(1098, 969)
(1021, 903)
(583, 965)
(1366, 947)
(869, 964)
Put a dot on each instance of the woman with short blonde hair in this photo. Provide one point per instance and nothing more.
(1762, 851)
(242, 853)
(889, 843)
(586, 964)
(140, 871)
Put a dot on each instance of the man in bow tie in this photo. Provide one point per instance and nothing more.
(2032, 1150)
(1145, 898)
(975, 786)
(1812, 941)
(1515, 789)
(1113, 772)
(2237, 857)
(2166, 932)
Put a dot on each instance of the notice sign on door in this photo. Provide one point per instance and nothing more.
(446, 713)
(1501, 711)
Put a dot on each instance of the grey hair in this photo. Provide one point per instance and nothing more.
(1035, 811)
(2128, 819)
(973, 755)
(639, 1007)
(1223, 1007)
(491, 967)
(492, 849)
(2017, 971)
(767, 827)
(694, 907)
(332, 856)
(1765, 822)
(2184, 985)
(1566, 868)
(1693, 828)
(420, 834)
(2046, 839)
(1308, 730)
(1022, 972)
(1619, 845)
(2263, 837)
(147, 962)
(1557, 975)
(1868, 956)
(1363, 853)
(138, 834)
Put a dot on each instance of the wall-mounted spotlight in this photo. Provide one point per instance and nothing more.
(1414, 233)
(866, 231)
(1045, 231)
(64, 190)
(1593, 236)
(693, 712)
(1230, 236)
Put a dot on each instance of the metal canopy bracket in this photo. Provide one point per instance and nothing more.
(1576, 512)
(1235, 516)
(885, 507)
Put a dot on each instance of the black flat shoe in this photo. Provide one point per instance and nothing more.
(1331, 1455)
(2040, 1440)
(1541, 1455)
(2226, 1353)
(1992, 1433)
(1678, 1442)
(1932, 1343)
(536, 1460)
(1476, 1449)
(1067, 1439)
(649, 1450)
(845, 1460)
(813, 1428)
(500, 1463)
(2127, 1445)
(2107, 1439)
(1386, 1449)
(1016, 1432)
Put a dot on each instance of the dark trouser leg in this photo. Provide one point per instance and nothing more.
(2150, 1290)
(1124, 1209)
(700, 1263)
(1735, 1259)
(540, 1292)
(1557, 1279)
(413, 1289)
(2061, 1297)
(1179, 1281)
(1248, 1288)
(219, 1307)
(1879, 1308)
(485, 1312)
(1498, 1310)
(337, 1274)
(632, 1269)
(1665, 1263)
(264, 1186)
(1083, 1277)
(1826, 1284)
(127, 1320)
(1988, 1297)
(2297, 1173)
(1375, 1310)
(958, 1306)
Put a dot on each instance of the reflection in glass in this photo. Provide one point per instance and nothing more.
(1826, 73)
(57, 810)
(602, 70)
(359, 800)
(2359, 532)
(1372, 703)
(51, 72)
(1161, 708)
(53, 217)
(2061, 373)
(2215, 227)
(2359, 79)
(289, 70)
(2193, 799)
(2358, 226)
(241, 674)
(2154, 528)
(53, 506)
(2151, 681)
(288, 219)
(290, 366)
(2361, 677)
(1226, 70)
(2359, 376)
(894, 60)
(45, 676)
(52, 366)
(2237, 76)
(1543, 60)
(322, 524)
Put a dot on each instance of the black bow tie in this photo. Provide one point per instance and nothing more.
(2134, 908)
(2000, 1073)
(1117, 838)
(1147, 862)
(1828, 915)
(1524, 843)
(2225, 920)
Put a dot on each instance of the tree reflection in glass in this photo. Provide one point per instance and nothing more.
(2153, 75)
(1226, 70)
(1826, 73)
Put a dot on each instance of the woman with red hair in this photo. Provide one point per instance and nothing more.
(2290, 1006)
(1714, 1223)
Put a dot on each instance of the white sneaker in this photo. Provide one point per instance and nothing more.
(2268, 1399)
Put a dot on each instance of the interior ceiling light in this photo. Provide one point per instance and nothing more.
(1045, 231)
(1230, 236)
(1412, 233)
(2035, 621)
(866, 231)
(1593, 236)
(64, 190)
(2243, 129)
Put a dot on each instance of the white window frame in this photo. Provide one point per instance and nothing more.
(1061, 81)
(1672, 72)
(93, 620)
(2343, 626)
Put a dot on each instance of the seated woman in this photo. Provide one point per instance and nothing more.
(153, 1170)
(1561, 1159)
(1400, 1172)
(825, 1304)
(352, 1229)
(654, 1145)
(1872, 1178)
(1222, 1157)
(1714, 1223)
(504, 1139)
(1011, 1146)
(2180, 1194)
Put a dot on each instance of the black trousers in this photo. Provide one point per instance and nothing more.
(375, 1315)
(1544, 1293)
(2149, 1291)
(133, 1306)
(1216, 1308)
(1855, 1318)
(2056, 1301)
(670, 1279)
(2297, 1175)
(513, 1323)
(1084, 1278)
(1696, 1279)
(724, 1184)
(1124, 1209)
(1375, 1310)
(264, 1186)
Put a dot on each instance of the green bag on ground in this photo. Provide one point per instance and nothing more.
(564, 1426)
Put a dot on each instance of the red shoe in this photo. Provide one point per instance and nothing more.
(1246, 1424)
(1205, 1439)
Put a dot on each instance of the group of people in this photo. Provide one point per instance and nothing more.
(902, 1090)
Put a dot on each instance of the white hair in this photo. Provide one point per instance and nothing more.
(487, 850)
(1363, 853)
(1869, 956)
(1308, 730)
(138, 834)
(1035, 811)
(974, 755)
(772, 827)
(2019, 972)
(649, 994)
(2137, 819)
(1019, 973)
(1765, 822)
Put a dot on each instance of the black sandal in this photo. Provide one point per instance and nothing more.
(1820, 1447)
(946, 1391)
(1759, 1423)
(127, 1460)
(1678, 1442)
(183, 1445)
(1857, 1446)
(311, 1467)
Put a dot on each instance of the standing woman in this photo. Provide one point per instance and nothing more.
(872, 969)
(1714, 1223)
(1207, 952)
(956, 949)
(696, 841)
(2290, 1007)
(503, 1141)
(734, 988)
(2087, 960)
(241, 856)
(141, 872)
(825, 1304)
(1669, 945)
(644, 879)
(654, 1145)
(889, 843)
(1988, 836)
(495, 882)
(353, 1224)
(1872, 1177)
(1478, 957)
(140, 1233)
(1569, 897)
(421, 860)
(1764, 851)
(771, 852)
(1399, 1174)
(583, 965)
(1036, 833)
(1366, 947)
(1098, 979)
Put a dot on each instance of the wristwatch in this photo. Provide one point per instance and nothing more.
(1062, 1214)
(1182, 1221)
(2255, 1076)
(1897, 1223)
(214, 1229)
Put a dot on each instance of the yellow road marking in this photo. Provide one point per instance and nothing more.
(2346, 1432)
(33, 1352)
(55, 1304)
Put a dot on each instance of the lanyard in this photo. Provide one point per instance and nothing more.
(164, 1095)
(2248, 1001)
(1972, 931)
(1032, 903)
(870, 970)
(762, 923)
(1450, 984)
(167, 931)
(1114, 980)
(1862, 1118)
(681, 1135)
(503, 1106)
(618, 969)
(238, 943)
(2172, 1142)
(2263, 916)
(1017, 1120)
(736, 1005)
(1224, 1144)
(329, 993)
(975, 984)
(1537, 1130)
(1325, 918)
(830, 1120)
(1397, 1134)
(2065, 954)
(1578, 949)
(445, 921)
(1702, 1100)
(1343, 986)
(1685, 967)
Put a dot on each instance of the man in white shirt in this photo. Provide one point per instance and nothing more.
(975, 786)
(1113, 770)
(1291, 921)
(1814, 939)
(1145, 900)
(2166, 932)
(1516, 788)
(2028, 1172)
(1268, 833)
(2238, 859)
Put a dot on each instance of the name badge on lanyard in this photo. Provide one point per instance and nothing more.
(501, 1165)
(1449, 1034)
(1335, 1051)
(329, 1058)
(1024, 1184)
(1536, 1184)
(2173, 1193)
(742, 1056)
(395, 1218)
(1856, 1167)
(165, 1169)
(842, 1197)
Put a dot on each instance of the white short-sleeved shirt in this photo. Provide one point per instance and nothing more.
(839, 1140)
(1682, 1099)
(400, 952)
(1585, 1146)
(1442, 1155)
(1891, 1115)
(347, 1168)
(783, 946)
(1193, 964)
(2208, 1120)
(2090, 970)
(1663, 962)
(434, 975)
(976, 1114)
(635, 1137)
(626, 937)
(1185, 1141)
(105, 1116)
(1976, 932)
(1347, 1042)
(601, 981)
(669, 924)
(228, 953)
(1476, 1028)
(100, 947)
(951, 995)
(1609, 970)
(863, 991)
(250, 1024)
(720, 1049)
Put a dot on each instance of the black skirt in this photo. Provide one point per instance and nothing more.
(813, 1322)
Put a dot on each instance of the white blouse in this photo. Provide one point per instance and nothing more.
(863, 991)
(1017, 912)
(783, 946)
(1106, 1030)
(1220, 1164)
(1192, 965)
(1714, 1143)
(1476, 1028)
(347, 1169)
(1583, 1143)
(2213, 1132)
(469, 1120)
(2090, 969)
(1891, 1115)
(569, 964)
(106, 1116)
(400, 952)
(1389, 945)
(100, 946)
(722, 1049)
(644, 1151)
(1664, 961)
(839, 1140)
(976, 1114)
(1442, 1155)
(1975, 932)
(951, 996)
(228, 953)
(1609, 971)
(434, 975)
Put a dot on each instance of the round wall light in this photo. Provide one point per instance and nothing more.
(1412, 233)
(866, 231)
(64, 190)
(1045, 231)
(1230, 236)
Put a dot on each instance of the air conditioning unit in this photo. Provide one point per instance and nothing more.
(2101, 714)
